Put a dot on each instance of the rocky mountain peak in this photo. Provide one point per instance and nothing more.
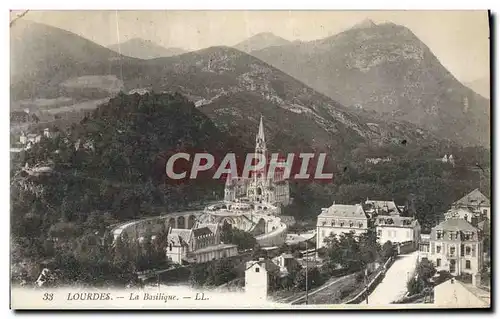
(366, 23)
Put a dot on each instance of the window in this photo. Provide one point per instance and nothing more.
(341, 224)
(257, 269)
(468, 250)
(439, 234)
(467, 264)
(438, 262)
(438, 249)
(351, 224)
(452, 251)
(467, 236)
(360, 225)
(379, 232)
(333, 223)
(170, 247)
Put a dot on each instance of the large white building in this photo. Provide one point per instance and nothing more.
(455, 246)
(338, 219)
(397, 229)
(197, 245)
(258, 188)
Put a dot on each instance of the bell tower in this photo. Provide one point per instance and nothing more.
(259, 176)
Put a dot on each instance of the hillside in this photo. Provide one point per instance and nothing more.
(234, 89)
(386, 68)
(144, 49)
(260, 41)
(44, 57)
(230, 86)
(480, 86)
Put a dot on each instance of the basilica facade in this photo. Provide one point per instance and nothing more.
(259, 187)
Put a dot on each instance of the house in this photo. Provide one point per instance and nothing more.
(287, 263)
(197, 245)
(476, 202)
(424, 245)
(397, 229)
(456, 246)
(456, 294)
(257, 277)
(338, 219)
(461, 212)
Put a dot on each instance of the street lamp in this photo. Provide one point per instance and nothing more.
(307, 281)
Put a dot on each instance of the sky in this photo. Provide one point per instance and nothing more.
(460, 39)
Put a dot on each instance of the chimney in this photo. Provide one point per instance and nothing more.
(261, 259)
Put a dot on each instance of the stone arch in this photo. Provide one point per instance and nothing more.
(191, 221)
(171, 222)
(260, 227)
(228, 220)
(181, 222)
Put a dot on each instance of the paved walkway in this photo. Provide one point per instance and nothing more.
(393, 286)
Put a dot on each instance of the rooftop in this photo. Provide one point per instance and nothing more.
(474, 198)
(184, 234)
(266, 263)
(201, 231)
(349, 211)
(214, 248)
(395, 220)
(456, 224)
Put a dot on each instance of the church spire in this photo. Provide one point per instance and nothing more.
(260, 135)
(260, 149)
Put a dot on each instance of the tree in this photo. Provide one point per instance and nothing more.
(369, 247)
(344, 251)
(414, 286)
(314, 278)
(198, 274)
(244, 240)
(425, 270)
(388, 250)
(220, 272)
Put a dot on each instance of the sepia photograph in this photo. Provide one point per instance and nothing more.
(251, 159)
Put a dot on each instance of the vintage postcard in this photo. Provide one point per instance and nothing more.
(250, 159)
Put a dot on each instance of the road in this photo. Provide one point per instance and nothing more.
(393, 286)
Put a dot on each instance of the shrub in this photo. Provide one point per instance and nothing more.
(415, 286)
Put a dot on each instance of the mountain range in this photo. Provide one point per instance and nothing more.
(261, 41)
(232, 87)
(144, 49)
(386, 68)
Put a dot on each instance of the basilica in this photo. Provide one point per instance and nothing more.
(259, 187)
